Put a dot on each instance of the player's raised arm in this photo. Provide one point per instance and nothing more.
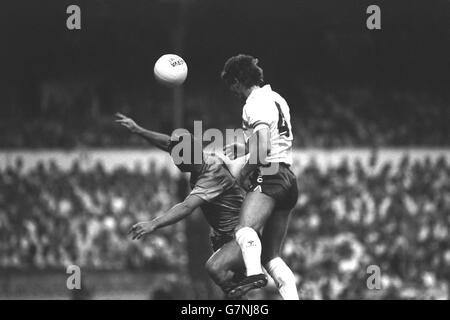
(159, 140)
(175, 214)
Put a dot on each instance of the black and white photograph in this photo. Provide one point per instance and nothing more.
(225, 150)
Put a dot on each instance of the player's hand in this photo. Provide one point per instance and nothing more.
(127, 122)
(233, 150)
(140, 229)
(247, 176)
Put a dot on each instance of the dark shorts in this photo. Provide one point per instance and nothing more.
(281, 186)
(218, 240)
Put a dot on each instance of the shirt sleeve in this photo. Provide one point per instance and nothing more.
(260, 113)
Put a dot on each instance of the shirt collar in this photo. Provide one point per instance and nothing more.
(258, 91)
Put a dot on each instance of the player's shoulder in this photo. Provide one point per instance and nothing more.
(260, 100)
(278, 98)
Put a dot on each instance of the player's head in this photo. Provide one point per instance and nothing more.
(182, 148)
(242, 72)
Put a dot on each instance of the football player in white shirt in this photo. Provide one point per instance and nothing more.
(270, 184)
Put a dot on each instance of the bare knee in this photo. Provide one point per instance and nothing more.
(256, 225)
(212, 269)
(243, 229)
(218, 272)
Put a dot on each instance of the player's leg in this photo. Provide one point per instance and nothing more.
(272, 242)
(255, 211)
(274, 233)
(225, 263)
(278, 190)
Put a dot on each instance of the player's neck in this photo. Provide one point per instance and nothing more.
(248, 91)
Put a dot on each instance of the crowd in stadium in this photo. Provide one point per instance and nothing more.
(395, 218)
(320, 118)
(49, 218)
(347, 218)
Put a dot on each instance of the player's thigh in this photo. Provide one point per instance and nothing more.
(273, 235)
(255, 210)
(227, 258)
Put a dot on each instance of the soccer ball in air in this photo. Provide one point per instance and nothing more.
(170, 70)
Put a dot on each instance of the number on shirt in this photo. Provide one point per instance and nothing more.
(282, 123)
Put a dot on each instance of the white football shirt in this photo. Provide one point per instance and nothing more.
(266, 108)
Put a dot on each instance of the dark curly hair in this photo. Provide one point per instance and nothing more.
(243, 68)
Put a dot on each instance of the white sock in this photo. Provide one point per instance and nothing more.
(248, 240)
(284, 278)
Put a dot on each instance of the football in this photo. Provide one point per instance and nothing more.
(170, 70)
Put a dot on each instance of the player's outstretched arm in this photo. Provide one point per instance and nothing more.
(175, 214)
(159, 140)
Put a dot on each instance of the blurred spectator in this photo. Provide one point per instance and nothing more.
(396, 219)
(50, 218)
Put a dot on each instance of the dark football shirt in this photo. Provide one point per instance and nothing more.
(223, 197)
